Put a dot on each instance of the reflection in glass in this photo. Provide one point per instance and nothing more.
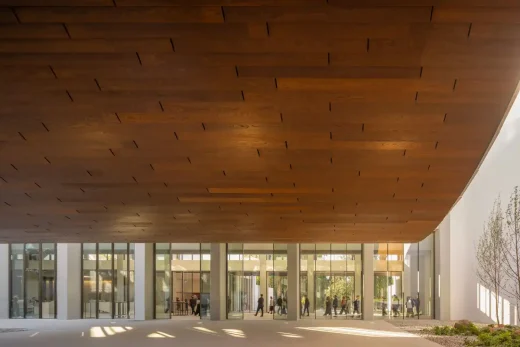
(307, 273)
(162, 280)
(17, 287)
(32, 280)
(48, 283)
(355, 270)
(235, 253)
(120, 280)
(131, 281)
(179, 280)
(418, 279)
(105, 282)
(280, 282)
(108, 280)
(89, 254)
(330, 281)
(205, 279)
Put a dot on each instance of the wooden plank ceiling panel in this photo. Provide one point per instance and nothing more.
(246, 120)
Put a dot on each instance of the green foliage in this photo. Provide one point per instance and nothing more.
(443, 330)
(381, 283)
(334, 285)
(491, 335)
(465, 327)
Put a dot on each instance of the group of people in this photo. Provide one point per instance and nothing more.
(347, 306)
(412, 305)
(281, 305)
(184, 307)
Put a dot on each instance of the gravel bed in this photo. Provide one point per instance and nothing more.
(417, 327)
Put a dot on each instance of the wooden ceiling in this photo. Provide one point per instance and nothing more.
(246, 120)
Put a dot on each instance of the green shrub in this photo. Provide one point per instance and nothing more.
(498, 336)
(443, 330)
(491, 335)
(465, 327)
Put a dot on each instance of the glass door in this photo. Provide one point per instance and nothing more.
(381, 304)
(205, 280)
(280, 281)
(235, 291)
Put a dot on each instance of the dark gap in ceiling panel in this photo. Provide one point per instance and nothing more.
(54, 73)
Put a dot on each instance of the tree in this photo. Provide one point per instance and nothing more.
(381, 284)
(490, 256)
(340, 286)
(511, 248)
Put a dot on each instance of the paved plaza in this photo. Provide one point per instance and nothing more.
(78, 333)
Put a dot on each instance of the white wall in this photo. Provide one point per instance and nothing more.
(498, 175)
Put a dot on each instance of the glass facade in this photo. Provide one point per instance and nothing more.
(256, 270)
(32, 280)
(182, 281)
(331, 281)
(108, 280)
(404, 280)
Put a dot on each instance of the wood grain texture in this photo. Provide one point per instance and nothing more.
(246, 120)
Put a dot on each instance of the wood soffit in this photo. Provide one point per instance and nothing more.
(246, 120)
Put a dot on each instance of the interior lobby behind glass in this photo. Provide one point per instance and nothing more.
(182, 283)
(255, 270)
(33, 280)
(108, 280)
(331, 274)
(403, 280)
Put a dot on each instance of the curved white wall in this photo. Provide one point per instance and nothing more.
(498, 175)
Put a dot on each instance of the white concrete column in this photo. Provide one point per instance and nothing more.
(367, 303)
(144, 278)
(442, 270)
(218, 282)
(69, 280)
(293, 281)
(4, 281)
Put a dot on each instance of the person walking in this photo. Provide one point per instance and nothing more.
(178, 304)
(335, 305)
(349, 305)
(306, 305)
(418, 305)
(186, 306)
(260, 306)
(395, 305)
(356, 305)
(279, 303)
(193, 302)
(328, 306)
(409, 307)
(343, 306)
(167, 305)
(197, 306)
(271, 305)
